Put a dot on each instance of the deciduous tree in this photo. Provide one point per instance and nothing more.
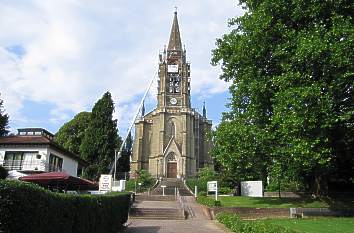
(72, 133)
(292, 73)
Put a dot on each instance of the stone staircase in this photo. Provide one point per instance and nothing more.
(171, 184)
(157, 206)
(157, 213)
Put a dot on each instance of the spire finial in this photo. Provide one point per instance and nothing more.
(204, 110)
(176, 9)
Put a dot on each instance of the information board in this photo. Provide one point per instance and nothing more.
(105, 183)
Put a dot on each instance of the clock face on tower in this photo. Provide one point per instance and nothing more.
(173, 101)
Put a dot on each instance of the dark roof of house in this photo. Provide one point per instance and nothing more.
(38, 140)
(60, 180)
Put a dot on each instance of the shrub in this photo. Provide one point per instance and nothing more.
(206, 174)
(28, 208)
(202, 193)
(3, 173)
(235, 224)
(208, 201)
(191, 183)
(225, 190)
(130, 185)
(143, 177)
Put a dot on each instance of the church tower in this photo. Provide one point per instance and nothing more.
(174, 73)
(172, 141)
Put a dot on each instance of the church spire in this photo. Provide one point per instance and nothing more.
(175, 37)
(204, 110)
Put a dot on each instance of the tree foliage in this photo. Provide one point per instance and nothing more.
(101, 138)
(124, 161)
(4, 120)
(72, 133)
(292, 113)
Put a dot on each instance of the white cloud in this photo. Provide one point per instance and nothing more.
(76, 50)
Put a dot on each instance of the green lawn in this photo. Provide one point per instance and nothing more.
(270, 202)
(315, 225)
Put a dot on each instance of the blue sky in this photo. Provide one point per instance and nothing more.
(58, 57)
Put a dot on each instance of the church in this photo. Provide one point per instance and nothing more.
(173, 140)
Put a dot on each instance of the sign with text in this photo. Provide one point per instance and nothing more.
(212, 186)
(105, 183)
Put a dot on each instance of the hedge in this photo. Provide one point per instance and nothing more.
(235, 224)
(28, 208)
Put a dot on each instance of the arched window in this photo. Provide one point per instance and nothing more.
(171, 157)
(172, 129)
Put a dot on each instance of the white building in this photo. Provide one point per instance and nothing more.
(33, 150)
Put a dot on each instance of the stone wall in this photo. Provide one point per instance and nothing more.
(249, 213)
(286, 194)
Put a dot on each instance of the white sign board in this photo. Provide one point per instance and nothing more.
(105, 183)
(252, 188)
(212, 186)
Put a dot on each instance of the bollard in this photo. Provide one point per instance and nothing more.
(195, 191)
(163, 189)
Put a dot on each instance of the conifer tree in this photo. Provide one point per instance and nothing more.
(101, 138)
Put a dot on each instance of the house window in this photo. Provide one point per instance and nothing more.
(20, 160)
(55, 163)
(13, 160)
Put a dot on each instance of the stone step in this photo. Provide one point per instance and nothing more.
(156, 213)
(155, 197)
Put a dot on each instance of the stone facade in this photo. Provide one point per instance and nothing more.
(173, 139)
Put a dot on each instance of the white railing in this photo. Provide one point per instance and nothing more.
(22, 165)
(180, 200)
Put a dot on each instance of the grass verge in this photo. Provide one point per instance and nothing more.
(235, 224)
(270, 202)
(314, 225)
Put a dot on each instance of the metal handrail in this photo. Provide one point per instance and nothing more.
(180, 199)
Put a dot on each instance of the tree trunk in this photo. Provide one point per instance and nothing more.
(320, 185)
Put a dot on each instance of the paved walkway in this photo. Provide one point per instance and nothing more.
(197, 222)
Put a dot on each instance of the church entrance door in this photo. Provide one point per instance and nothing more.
(172, 170)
